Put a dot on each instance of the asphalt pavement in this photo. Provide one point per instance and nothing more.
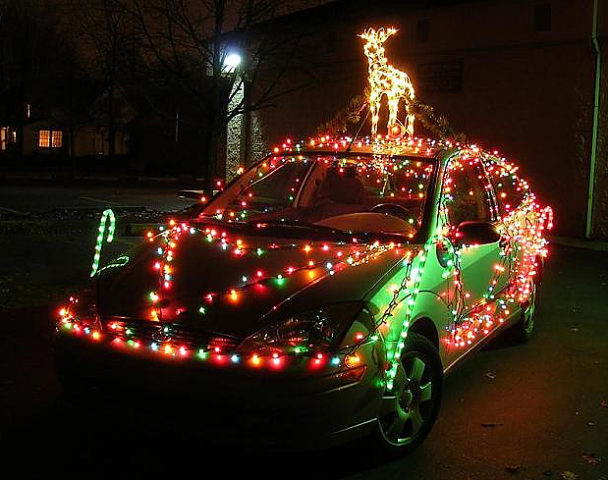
(535, 410)
(26, 200)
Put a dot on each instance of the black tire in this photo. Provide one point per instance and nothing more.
(422, 396)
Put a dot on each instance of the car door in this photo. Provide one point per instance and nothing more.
(478, 250)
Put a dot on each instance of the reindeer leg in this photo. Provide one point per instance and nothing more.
(409, 120)
(374, 107)
(393, 108)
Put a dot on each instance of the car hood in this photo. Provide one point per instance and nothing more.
(235, 284)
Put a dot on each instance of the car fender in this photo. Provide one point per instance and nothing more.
(429, 305)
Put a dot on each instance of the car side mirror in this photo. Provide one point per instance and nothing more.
(476, 233)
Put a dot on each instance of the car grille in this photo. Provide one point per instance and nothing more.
(176, 333)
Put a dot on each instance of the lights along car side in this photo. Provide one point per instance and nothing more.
(482, 261)
(373, 266)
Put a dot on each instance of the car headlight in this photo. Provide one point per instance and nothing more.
(318, 330)
(80, 309)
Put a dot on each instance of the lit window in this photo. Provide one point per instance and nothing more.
(57, 138)
(44, 139)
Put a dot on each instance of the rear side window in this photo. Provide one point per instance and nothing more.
(465, 191)
(509, 188)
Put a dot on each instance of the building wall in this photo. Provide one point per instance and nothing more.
(30, 138)
(527, 93)
(94, 141)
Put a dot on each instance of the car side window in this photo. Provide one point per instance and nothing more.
(464, 189)
(509, 188)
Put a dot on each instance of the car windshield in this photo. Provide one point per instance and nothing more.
(366, 194)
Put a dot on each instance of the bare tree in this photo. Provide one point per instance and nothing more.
(191, 41)
(108, 47)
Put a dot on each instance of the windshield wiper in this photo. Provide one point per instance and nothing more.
(345, 235)
(296, 224)
(213, 220)
(259, 224)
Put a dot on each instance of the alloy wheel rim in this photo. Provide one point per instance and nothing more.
(408, 407)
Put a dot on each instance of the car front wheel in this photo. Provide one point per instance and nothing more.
(409, 411)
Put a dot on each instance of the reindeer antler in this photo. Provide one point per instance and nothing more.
(387, 33)
(379, 36)
(367, 34)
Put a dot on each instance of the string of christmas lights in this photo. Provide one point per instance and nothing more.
(522, 223)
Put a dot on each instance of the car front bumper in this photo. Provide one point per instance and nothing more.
(235, 405)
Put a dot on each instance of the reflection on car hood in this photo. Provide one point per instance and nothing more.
(235, 285)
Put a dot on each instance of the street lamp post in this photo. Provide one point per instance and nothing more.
(234, 128)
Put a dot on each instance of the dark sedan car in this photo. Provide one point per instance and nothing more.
(320, 297)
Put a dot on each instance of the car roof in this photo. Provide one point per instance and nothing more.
(417, 147)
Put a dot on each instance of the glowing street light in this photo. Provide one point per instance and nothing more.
(231, 62)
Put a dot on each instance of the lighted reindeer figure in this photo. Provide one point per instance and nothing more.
(385, 79)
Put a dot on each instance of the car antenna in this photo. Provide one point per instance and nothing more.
(360, 127)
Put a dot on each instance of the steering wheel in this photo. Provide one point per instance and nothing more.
(392, 209)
